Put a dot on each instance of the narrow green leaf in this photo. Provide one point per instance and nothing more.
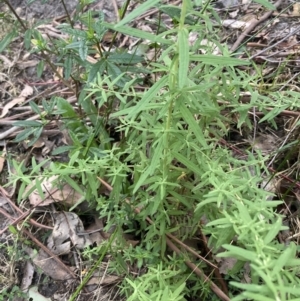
(288, 253)
(125, 58)
(219, 222)
(24, 134)
(266, 4)
(191, 122)
(174, 12)
(253, 296)
(91, 110)
(36, 135)
(115, 72)
(292, 262)
(27, 38)
(273, 113)
(39, 189)
(274, 230)
(40, 68)
(6, 40)
(12, 229)
(83, 50)
(68, 67)
(137, 12)
(73, 45)
(190, 165)
(244, 213)
(251, 287)
(35, 108)
(183, 48)
(183, 199)
(139, 34)
(153, 165)
(68, 112)
(178, 290)
(74, 157)
(216, 60)
(99, 67)
(265, 277)
(238, 252)
(147, 97)
(62, 149)
(73, 184)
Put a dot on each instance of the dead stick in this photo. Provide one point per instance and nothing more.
(23, 215)
(200, 274)
(216, 271)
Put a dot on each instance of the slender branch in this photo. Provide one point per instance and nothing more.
(16, 15)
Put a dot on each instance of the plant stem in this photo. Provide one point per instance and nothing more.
(16, 15)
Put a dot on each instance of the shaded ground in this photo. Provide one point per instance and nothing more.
(41, 10)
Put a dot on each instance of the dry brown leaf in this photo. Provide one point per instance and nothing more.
(52, 194)
(270, 185)
(226, 264)
(24, 93)
(2, 159)
(27, 64)
(10, 105)
(48, 265)
(234, 14)
(60, 71)
(107, 279)
(27, 91)
(265, 143)
(296, 10)
(6, 61)
(67, 228)
(38, 144)
(108, 37)
(27, 272)
(236, 24)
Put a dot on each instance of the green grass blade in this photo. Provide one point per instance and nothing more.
(154, 163)
(137, 12)
(138, 33)
(190, 120)
(217, 60)
(148, 96)
(191, 166)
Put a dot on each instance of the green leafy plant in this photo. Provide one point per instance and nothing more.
(157, 284)
(166, 158)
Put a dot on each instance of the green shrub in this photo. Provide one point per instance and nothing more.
(167, 158)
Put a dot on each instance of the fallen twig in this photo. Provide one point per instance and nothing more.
(23, 214)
